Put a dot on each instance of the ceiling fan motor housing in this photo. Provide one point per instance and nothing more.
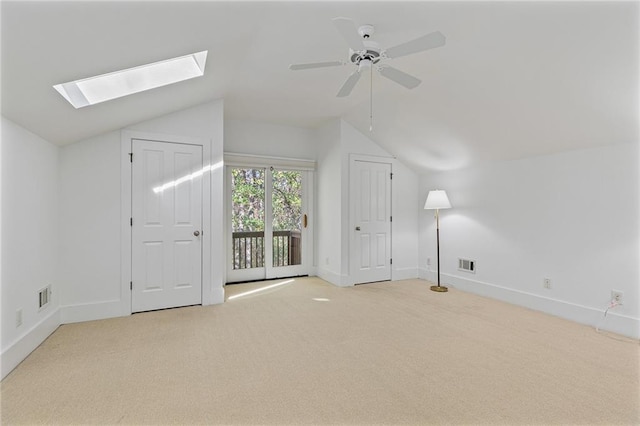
(371, 52)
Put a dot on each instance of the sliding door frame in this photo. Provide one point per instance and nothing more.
(307, 167)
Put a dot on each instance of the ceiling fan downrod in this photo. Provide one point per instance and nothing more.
(371, 100)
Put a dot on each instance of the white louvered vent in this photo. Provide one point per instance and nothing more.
(467, 265)
(44, 295)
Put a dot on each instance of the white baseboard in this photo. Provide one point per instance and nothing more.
(614, 322)
(333, 278)
(398, 274)
(217, 296)
(94, 311)
(427, 274)
(345, 281)
(20, 349)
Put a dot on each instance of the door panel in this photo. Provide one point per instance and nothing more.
(246, 193)
(152, 163)
(371, 221)
(153, 256)
(382, 258)
(382, 201)
(166, 213)
(365, 247)
(288, 232)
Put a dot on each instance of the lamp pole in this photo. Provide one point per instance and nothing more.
(438, 287)
(438, 243)
(436, 200)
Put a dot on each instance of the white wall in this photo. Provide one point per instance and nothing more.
(570, 217)
(271, 140)
(90, 226)
(90, 220)
(329, 195)
(336, 142)
(29, 241)
(404, 243)
(406, 209)
(352, 142)
(249, 137)
(331, 146)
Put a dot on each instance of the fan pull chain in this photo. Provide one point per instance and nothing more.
(371, 99)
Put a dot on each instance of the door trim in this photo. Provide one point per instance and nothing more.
(126, 265)
(350, 237)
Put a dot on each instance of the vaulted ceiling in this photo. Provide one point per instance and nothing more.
(515, 79)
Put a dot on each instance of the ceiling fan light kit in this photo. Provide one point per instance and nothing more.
(364, 64)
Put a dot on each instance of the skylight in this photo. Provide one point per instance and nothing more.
(93, 90)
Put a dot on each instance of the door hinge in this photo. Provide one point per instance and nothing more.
(131, 157)
(130, 285)
(390, 261)
(390, 218)
(391, 176)
(131, 221)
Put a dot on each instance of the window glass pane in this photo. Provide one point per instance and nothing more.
(287, 217)
(247, 217)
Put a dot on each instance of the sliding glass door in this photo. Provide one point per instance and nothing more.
(268, 223)
(247, 223)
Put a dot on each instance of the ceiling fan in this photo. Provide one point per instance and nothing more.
(366, 54)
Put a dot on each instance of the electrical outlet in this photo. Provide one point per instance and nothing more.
(546, 283)
(18, 317)
(616, 296)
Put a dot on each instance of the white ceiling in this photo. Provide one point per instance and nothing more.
(515, 79)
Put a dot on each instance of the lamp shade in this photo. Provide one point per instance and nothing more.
(437, 199)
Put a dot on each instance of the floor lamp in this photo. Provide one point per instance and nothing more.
(437, 200)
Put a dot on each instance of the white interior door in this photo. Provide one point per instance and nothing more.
(370, 197)
(166, 225)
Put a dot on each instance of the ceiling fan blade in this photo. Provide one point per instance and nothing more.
(296, 67)
(400, 77)
(429, 41)
(348, 85)
(349, 32)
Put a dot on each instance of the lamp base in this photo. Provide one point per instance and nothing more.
(439, 289)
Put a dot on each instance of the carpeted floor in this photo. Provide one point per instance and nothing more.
(309, 352)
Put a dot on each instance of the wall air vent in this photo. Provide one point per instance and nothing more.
(44, 295)
(467, 265)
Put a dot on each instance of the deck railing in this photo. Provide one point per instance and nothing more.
(248, 249)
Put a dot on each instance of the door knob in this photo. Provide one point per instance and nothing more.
(357, 228)
(196, 233)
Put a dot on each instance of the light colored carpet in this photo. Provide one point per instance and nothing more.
(385, 353)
